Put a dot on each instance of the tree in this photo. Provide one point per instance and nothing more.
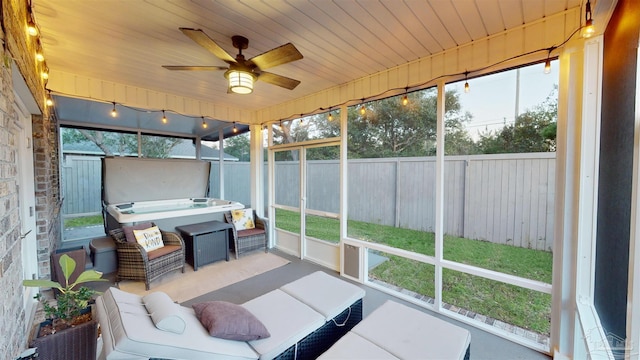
(120, 143)
(238, 146)
(533, 131)
(391, 129)
(308, 128)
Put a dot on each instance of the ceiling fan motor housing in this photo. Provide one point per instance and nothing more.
(240, 42)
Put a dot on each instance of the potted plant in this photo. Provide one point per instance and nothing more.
(70, 331)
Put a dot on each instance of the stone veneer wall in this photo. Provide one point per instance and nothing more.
(20, 48)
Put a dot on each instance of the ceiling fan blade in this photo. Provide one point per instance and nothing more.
(278, 56)
(206, 42)
(278, 80)
(182, 67)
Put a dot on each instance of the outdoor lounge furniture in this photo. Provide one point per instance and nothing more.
(249, 239)
(301, 325)
(135, 263)
(396, 331)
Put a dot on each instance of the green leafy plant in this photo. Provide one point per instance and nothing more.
(71, 301)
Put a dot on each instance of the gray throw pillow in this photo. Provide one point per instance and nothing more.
(229, 321)
(128, 230)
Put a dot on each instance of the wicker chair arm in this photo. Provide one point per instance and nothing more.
(261, 222)
(172, 238)
(132, 249)
(229, 220)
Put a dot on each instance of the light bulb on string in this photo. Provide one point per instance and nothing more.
(330, 116)
(547, 66)
(466, 82)
(164, 118)
(114, 112)
(49, 100)
(32, 29)
(405, 98)
(589, 29)
(235, 129)
(39, 55)
(204, 124)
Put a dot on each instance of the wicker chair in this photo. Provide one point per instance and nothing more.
(134, 263)
(250, 239)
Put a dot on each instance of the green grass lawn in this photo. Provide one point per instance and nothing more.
(83, 221)
(511, 304)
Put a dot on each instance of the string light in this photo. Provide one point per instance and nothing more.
(164, 118)
(363, 110)
(466, 83)
(49, 100)
(31, 28)
(330, 116)
(114, 112)
(45, 73)
(547, 66)
(235, 129)
(204, 124)
(589, 29)
(39, 55)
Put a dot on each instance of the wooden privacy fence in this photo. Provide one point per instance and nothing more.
(503, 198)
(81, 184)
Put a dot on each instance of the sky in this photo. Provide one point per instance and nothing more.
(492, 99)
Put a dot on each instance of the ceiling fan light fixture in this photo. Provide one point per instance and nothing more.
(240, 82)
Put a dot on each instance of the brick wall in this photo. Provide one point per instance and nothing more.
(19, 47)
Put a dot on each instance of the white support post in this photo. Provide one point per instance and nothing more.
(198, 144)
(439, 222)
(344, 201)
(257, 169)
(221, 163)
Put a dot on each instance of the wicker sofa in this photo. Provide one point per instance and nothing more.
(135, 263)
(304, 318)
(250, 239)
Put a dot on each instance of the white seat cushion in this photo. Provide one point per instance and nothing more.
(324, 293)
(353, 346)
(411, 334)
(287, 320)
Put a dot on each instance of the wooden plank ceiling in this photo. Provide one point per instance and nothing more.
(127, 42)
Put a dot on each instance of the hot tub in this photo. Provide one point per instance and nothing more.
(168, 214)
(141, 211)
(168, 192)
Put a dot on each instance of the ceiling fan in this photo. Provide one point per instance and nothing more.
(241, 73)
